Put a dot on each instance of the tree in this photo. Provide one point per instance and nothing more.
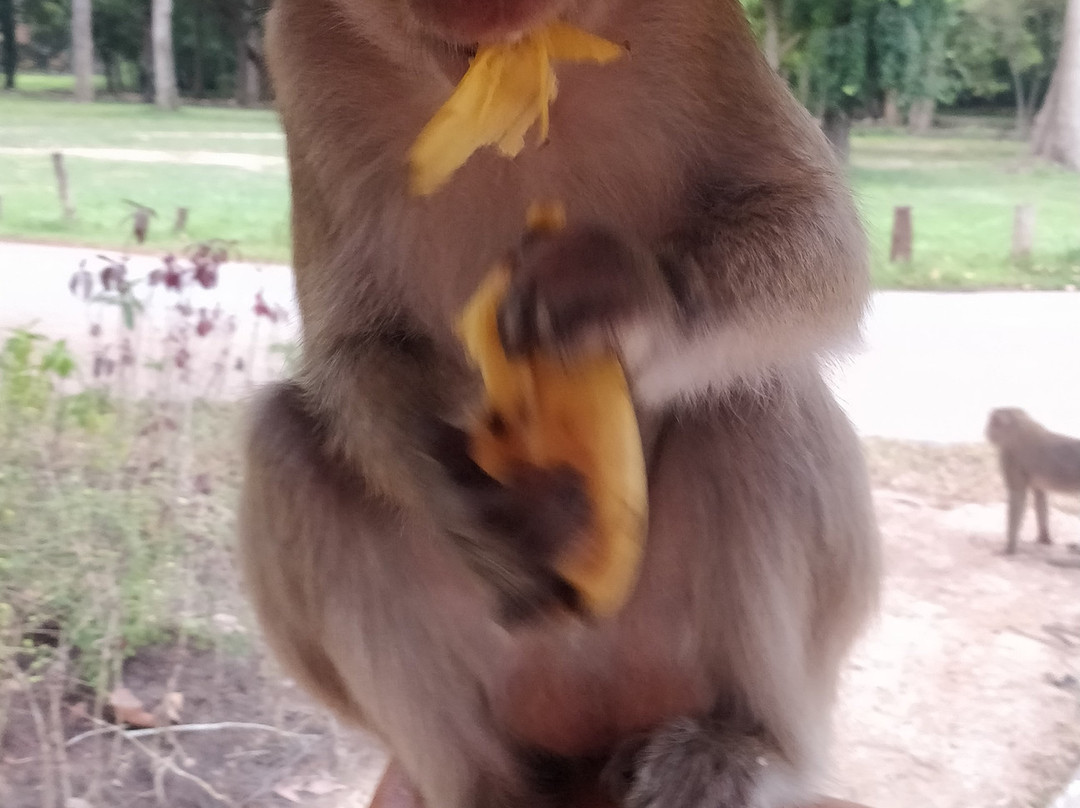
(835, 49)
(82, 49)
(161, 21)
(118, 34)
(1057, 129)
(1010, 40)
(909, 54)
(10, 57)
(49, 24)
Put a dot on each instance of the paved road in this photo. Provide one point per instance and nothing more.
(932, 366)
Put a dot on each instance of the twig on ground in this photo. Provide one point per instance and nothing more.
(48, 784)
(133, 736)
(55, 680)
(223, 725)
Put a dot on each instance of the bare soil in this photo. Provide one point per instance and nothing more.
(964, 693)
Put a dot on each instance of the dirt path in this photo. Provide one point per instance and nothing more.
(249, 162)
(960, 695)
(931, 367)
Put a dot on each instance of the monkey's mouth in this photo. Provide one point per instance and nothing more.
(484, 21)
(454, 59)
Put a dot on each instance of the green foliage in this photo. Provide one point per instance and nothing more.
(998, 45)
(96, 535)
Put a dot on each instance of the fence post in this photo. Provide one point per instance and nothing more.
(1023, 240)
(901, 235)
(62, 185)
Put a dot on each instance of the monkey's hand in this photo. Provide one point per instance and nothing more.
(692, 763)
(575, 291)
(511, 534)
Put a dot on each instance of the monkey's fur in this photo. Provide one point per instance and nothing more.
(1031, 456)
(715, 245)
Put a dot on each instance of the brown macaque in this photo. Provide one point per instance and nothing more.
(713, 244)
(1031, 457)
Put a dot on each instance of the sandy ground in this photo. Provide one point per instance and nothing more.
(962, 693)
(959, 695)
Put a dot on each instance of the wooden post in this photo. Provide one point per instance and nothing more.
(1023, 240)
(181, 221)
(901, 235)
(62, 186)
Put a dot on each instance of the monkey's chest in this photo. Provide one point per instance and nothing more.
(582, 698)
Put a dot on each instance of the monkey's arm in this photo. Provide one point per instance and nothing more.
(386, 403)
(766, 270)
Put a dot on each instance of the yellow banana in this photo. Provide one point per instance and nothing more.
(508, 87)
(550, 414)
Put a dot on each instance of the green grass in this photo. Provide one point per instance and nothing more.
(36, 83)
(963, 192)
(249, 205)
(963, 185)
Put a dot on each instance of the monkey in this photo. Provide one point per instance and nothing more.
(1031, 457)
(713, 244)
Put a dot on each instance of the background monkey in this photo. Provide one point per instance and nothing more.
(714, 244)
(1032, 457)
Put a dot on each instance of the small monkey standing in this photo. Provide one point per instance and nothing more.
(1032, 457)
(713, 246)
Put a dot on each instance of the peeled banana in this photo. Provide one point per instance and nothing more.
(550, 414)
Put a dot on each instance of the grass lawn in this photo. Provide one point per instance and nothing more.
(963, 188)
(963, 192)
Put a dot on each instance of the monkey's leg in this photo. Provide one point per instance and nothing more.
(369, 609)
(1015, 518)
(766, 501)
(1042, 516)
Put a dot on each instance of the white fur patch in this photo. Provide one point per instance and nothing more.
(666, 368)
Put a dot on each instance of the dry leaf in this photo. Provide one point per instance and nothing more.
(318, 785)
(127, 709)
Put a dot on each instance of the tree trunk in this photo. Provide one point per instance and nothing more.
(112, 85)
(146, 63)
(198, 88)
(11, 47)
(921, 115)
(837, 127)
(1023, 113)
(771, 45)
(1057, 132)
(891, 114)
(165, 95)
(1048, 111)
(247, 73)
(82, 49)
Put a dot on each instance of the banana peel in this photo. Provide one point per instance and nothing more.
(508, 88)
(549, 414)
